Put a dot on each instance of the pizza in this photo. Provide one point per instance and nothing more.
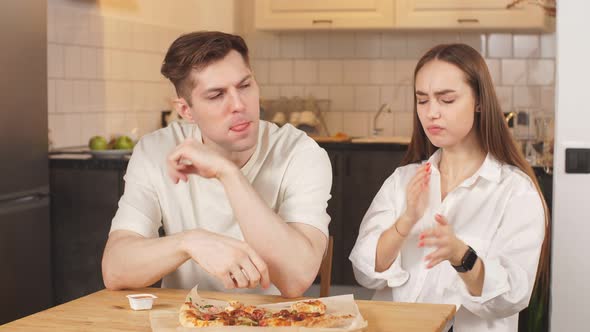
(304, 313)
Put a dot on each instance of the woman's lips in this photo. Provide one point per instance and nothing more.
(240, 127)
(435, 130)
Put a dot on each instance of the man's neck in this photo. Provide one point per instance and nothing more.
(239, 158)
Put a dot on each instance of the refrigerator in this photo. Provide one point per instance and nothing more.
(25, 253)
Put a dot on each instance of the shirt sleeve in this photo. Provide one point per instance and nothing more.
(307, 181)
(139, 207)
(380, 216)
(510, 265)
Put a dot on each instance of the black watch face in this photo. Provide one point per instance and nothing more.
(469, 259)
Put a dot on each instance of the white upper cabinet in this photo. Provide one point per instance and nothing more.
(324, 14)
(471, 15)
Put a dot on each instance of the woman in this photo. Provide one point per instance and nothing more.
(463, 221)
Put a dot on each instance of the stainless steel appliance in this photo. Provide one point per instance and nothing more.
(25, 252)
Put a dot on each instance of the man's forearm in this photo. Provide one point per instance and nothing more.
(132, 261)
(293, 259)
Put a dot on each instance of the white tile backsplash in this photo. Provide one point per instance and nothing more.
(292, 45)
(499, 45)
(355, 124)
(51, 96)
(342, 98)
(381, 72)
(55, 61)
(548, 46)
(504, 94)
(394, 45)
(526, 46)
(103, 72)
(527, 96)
(73, 62)
(342, 45)
(404, 71)
(548, 99)
(540, 72)
(367, 98)
(261, 71)
(367, 44)
(291, 91)
(397, 97)
(356, 72)
(334, 122)
(330, 71)
(384, 122)
(513, 72)
(281, 71)
(402, 123)
(494, 69)
(306, 71)
(317, 45)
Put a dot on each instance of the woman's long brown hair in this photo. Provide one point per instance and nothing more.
(492, 129)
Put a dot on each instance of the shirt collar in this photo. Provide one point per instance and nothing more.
(489, 170)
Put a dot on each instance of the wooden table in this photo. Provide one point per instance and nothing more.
(109, 311)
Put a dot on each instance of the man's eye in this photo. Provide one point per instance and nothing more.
(245, 85)
(213, 97)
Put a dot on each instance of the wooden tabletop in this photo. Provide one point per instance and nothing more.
(109, 311)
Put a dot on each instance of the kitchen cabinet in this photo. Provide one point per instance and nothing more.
(84, 198)
(324, 14)
(358, 170)
(471, 15)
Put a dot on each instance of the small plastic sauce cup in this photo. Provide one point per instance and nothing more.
(141, 301)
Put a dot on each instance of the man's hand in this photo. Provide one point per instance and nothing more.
(193, 157)
(232, 261)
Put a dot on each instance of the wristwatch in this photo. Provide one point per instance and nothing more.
(467, 262)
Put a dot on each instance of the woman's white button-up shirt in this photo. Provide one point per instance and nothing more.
(497, 211)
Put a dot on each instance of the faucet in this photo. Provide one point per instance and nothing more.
(384, 107)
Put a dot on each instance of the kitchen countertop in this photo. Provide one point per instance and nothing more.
(109, 311)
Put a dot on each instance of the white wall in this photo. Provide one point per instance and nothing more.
(571, 197)
(104, 60)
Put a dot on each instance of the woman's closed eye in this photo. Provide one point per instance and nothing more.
(448, 101)
(422, 102)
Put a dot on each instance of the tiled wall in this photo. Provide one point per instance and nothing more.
(358, 71)
(103, 73)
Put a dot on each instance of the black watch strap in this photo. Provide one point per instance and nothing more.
(467, 262)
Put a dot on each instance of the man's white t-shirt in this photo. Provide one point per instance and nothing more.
(291, 173)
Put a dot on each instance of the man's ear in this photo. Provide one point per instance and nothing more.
(183, 109)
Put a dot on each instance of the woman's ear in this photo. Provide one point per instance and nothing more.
(183, 109)
(477, 108)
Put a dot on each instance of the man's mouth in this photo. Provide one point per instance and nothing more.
(240, 127)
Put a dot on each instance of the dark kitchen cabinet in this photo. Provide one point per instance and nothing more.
(84, 198)
(358, 173)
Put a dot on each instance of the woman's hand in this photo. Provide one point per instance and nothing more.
(448, 246)
(417, 194)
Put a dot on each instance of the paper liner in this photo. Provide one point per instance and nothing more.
(167, 320)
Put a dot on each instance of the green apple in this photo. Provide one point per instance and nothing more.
(97, 143)
(124, 143)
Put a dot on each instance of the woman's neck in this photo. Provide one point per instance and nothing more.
(461, 161)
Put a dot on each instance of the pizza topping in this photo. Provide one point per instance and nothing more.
(311, 313)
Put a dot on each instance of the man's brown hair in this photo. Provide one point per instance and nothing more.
(196, 50)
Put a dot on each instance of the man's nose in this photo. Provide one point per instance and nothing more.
(237, 104)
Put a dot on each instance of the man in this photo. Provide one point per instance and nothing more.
(242, 201)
